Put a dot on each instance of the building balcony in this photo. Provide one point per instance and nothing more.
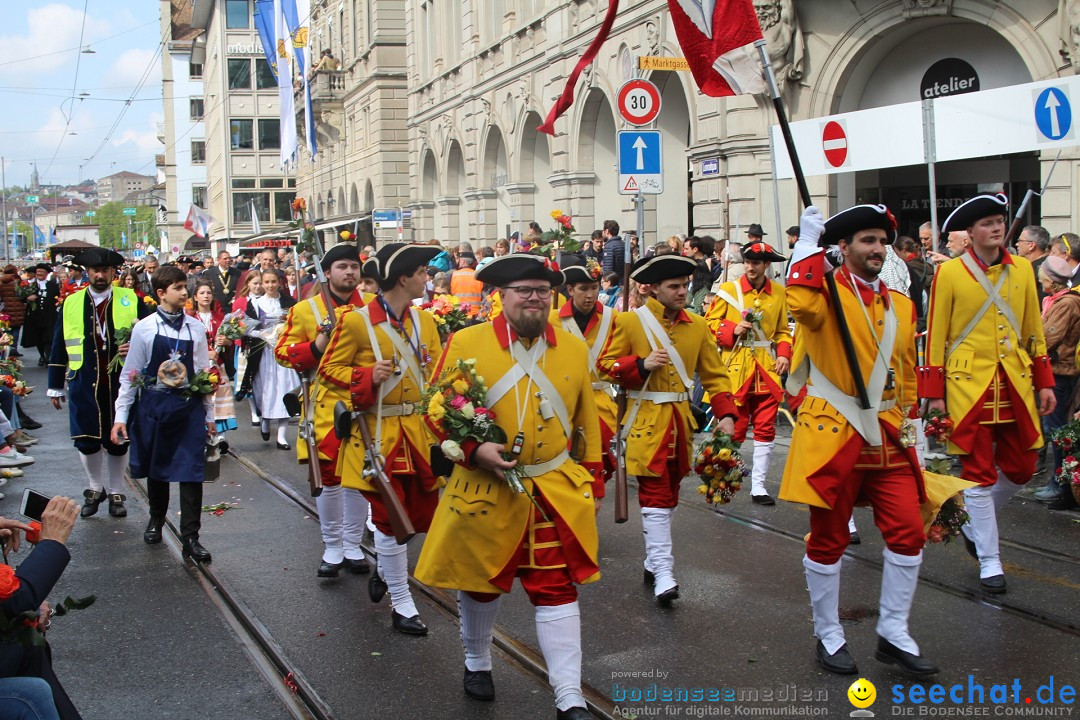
(327, 105)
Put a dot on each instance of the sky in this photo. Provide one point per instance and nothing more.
(43, 71)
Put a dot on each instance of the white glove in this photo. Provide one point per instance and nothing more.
(811, 228)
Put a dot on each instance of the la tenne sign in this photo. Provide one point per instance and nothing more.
(951, 76)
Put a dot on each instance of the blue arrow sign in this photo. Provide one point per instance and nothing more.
(639, 152)
(641, 166)
(1053, 114)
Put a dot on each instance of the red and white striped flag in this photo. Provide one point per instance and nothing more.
(717, 38)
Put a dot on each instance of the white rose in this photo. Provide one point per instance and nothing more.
(467, 411)
(452, 451)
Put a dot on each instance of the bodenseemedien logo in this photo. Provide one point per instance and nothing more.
(862, 695)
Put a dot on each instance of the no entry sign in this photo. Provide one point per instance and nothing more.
(834, 143)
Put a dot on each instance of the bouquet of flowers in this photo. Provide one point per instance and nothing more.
(449, 314)
(233, 326)
(937, 425)
(753, 316)
(950, 518)
(561, 239)
(149, 301)
(943, 512)
(721, 469)
(456, 404)
(204, 382)
(123, 336)
(18, 387)
(27, 289)
(1067, 437)
(307, 234)
(11, 366)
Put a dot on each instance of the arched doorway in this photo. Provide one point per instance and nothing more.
(494, 176)
(672, 206)
(535, 169)
(597, 153)
(894, 69)
(457, 222)
(429, 190)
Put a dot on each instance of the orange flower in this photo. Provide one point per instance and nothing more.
(8, 582)
(299, 204)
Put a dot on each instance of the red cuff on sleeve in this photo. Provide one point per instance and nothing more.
(723, 405)
(808, 272)
(302, 356)
(783, 350)
(625, 370)
(468, 446)
(725, 335)
(1042, 372)
(931, 381)
(362, 388)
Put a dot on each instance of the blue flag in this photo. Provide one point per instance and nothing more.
(264, 23)
(39, 237)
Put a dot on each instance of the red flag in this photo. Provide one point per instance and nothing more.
(717, 39)
(198, 221)
(567, 98)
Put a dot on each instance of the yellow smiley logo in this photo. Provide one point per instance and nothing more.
(862, 693)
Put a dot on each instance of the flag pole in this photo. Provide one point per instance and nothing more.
(804, 195)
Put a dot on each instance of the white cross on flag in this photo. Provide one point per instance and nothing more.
(717, 38)
(198, 221)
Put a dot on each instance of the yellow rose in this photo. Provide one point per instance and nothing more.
(436, 413)
(723, 453)
(460, 387)
(556, 214)
(436, 406)
(703, 489)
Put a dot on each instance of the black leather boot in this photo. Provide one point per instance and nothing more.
(194, 550)
(152, 535)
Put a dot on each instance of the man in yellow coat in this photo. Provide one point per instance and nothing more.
(749, 319)
(655, 352)
(342, 512)
(842, 453)
(586, 319)
(985, 363)
(379, 356)
(485, 534)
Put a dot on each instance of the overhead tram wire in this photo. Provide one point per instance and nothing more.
(65, 50)
(74, 84)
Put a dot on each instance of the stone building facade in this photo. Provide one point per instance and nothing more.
(480, 76)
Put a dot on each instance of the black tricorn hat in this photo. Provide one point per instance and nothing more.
(341, 251)
(975, 210)
(756, 230)
(99, 257)
(43, 266)
(846, 223)
(504, 270)
(761, 251)
(578, 269)
(393, 260)
(658, 268)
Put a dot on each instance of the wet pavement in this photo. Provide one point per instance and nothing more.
(156, 645)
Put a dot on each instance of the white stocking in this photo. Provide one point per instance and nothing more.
(394, 570)
(329, 504)
(92, 464)
(477, 629)
(558, 629)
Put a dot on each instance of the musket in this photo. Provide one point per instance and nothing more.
(1014, 228)
(618, 445)
(375, 471)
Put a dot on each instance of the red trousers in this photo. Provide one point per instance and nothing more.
(329, 470)
(998, 446)
(892, 493)
(761, 408)
(661, 491)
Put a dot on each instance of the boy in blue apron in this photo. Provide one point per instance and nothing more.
(169, 422)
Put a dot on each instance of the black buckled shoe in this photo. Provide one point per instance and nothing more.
(408, 625)
(649, 578)
(27, 422)
(376, 588)
(914, 665)
(479, 685)
(665, 598)
(116, 505)
(195, 550)
(90, 504)
(574, 713)
(152, 535)
(840, 662)
(994, 584)
(358, 566)
(765, 499)
(329, 569)
(854, 538)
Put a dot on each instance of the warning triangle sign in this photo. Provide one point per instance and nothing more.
(631, 184)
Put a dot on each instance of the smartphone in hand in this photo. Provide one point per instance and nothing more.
(33, 504)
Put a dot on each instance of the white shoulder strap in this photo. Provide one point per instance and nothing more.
(993, 297)
(521, 355)
(654, 331)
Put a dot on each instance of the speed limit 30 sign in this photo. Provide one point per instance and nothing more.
(639, 102)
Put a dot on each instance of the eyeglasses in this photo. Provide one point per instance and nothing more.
(525, 292)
